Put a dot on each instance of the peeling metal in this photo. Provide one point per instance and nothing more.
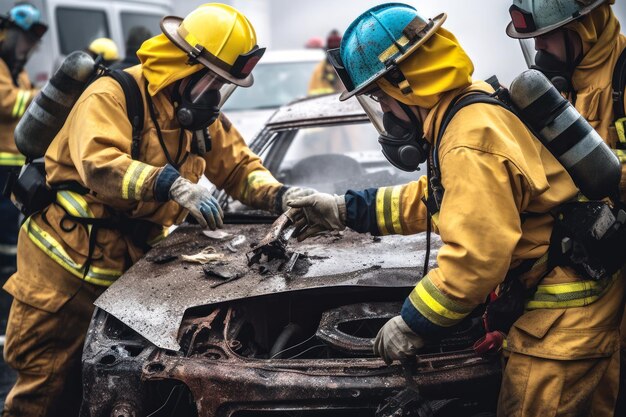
(152, 298)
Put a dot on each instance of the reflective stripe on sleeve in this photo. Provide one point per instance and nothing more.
(12, 159)
(436, 306)
(44, 241)
(134, 180)
(20, 103)
(388, 210)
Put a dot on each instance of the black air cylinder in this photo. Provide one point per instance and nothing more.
(594, 168)
(46, 114)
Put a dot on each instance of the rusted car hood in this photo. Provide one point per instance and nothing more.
(152, 296)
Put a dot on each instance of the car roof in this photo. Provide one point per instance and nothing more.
(317, 110)
(292, 55)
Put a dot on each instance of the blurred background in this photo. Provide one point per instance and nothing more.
(479, 25)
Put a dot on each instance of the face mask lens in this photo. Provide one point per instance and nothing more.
(373, 110)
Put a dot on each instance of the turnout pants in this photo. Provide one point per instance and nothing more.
(564, 362)
(47, 324)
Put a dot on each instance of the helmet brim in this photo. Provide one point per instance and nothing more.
(513, 33)
(170, 25)
(437, 23)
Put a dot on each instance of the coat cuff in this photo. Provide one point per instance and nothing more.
(164, 182)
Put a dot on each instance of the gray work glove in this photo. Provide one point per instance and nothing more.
(199, 201)
(294, 193)
(317, 213)
(396, 341)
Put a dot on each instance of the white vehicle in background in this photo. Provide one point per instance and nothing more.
(279, 78)
(73, 24)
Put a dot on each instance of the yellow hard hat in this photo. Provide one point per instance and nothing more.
(105, 47)
(218, 37)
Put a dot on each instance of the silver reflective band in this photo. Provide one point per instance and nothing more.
(57, 95)
(581, 149)
(558, 126)
(8, 249)
(41, 115)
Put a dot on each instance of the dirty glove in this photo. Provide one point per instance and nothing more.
(317, 213)
(294, 193)
(396, 341)
(199, 201)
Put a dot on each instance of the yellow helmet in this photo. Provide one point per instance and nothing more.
(218, 37)
(105, 47)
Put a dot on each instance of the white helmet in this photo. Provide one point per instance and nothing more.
(531, 18)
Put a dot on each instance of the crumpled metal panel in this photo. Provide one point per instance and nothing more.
(152, 297)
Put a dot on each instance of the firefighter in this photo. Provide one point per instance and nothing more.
(20, 31)
(491, 190)
(324, 79)
(578, 46)
(110, 208)
(104, 48)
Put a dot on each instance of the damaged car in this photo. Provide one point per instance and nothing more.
(290, 336)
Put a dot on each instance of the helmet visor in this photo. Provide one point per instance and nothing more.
(210, 89)
(384, 111)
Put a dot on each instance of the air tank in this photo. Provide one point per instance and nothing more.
(594, 168)
(46, 114)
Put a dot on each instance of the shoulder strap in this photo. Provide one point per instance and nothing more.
(134, 107)
(457, 104)
(619, 84)
(436, 190)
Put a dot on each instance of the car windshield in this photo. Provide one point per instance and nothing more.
(334, 159)
(275, 84)
(331, 159)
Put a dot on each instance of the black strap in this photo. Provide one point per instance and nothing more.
(435, 189)
(619, 84)
(134, 107)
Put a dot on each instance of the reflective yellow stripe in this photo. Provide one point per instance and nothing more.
(44, 241)
(255, 180)
(74, 203)
(436, 306)
(572, 294)
(20, 103)
(388, 210)
(621, 131)
(393, 49)
(12, 159)
(134, 179)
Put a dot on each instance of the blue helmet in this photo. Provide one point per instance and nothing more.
(377, 42)
(26, 17)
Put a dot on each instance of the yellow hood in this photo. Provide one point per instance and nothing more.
(598, 31)
(438, 66)
(163, 63)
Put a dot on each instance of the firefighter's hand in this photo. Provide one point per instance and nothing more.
(199, 201)
(294, 193)
(317, 213)
(396, 341)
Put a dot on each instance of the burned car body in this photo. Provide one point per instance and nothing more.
(289, 337)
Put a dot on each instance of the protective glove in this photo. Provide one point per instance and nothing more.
(317, 213)
(396, 341)
(294, 193)
(199, 201)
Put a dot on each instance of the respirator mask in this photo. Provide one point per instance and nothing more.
(402, 141)
(199, 102)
